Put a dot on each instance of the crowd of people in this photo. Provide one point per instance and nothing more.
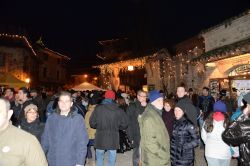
(58, 129)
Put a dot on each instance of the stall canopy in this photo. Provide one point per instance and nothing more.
(86, 86)
(9, 80)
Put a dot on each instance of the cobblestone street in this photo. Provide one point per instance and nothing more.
(126, 159)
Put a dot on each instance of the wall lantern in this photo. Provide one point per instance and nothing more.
(27, 80)
(130, 68)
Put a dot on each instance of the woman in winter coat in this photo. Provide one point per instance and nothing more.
(238, 133)
(168, 115)
(31, 123)
(184, 138)
(217, 152)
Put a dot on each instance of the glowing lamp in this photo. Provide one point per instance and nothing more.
(130, 68)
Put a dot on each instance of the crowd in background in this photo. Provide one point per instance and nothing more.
(161, 129)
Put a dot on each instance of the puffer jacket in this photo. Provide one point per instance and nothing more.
(238, 134)
(183, 142)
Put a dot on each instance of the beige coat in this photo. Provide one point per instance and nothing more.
(91, 131)
(19, 148)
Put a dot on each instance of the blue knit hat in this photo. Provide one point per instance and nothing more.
(219, 106)
(153, 95)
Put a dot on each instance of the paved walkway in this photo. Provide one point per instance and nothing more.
(126, 159)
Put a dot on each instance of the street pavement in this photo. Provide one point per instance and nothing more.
(125, 159)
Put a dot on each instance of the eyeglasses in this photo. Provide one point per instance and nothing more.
(143, 96)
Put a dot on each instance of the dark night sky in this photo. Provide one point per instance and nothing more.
(74, 27)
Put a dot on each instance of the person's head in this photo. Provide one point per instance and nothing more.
(180, 109)
(141, 96)
(223, 94)
(156, 99)
(109, 94)
(216, 116)
(31, 113)
(168, 104)
(23, 94)
(181, 91)
(5, 113)
(33, 93)
(65, 103)
(190, 91)
(9, 92)
(205, 91)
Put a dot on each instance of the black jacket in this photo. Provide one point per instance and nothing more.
(191, 111)
(108, 119)
(35, 128)
(184, 140)
(134, 110)
(238, 134)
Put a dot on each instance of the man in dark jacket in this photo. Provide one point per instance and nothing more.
(206, 103)
(38, 100)
(238, 133)
(134, 110)
(107, 119)
(65, 137)
(191, 111)
(23, 101)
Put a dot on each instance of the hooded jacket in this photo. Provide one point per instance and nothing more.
(65, 139)
(108, 119)
(155, 149)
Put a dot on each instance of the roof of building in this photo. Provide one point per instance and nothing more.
(231, 50)
(16, 41)
(226, 21)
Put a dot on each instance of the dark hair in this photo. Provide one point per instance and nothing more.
(11, 89)
(206, 88)
(64, 93)
(182, 85)
(24, 90)
(170, 102)
(208, 126)
(244, 105)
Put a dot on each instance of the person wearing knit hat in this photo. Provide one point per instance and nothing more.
(31, 123)
(107, 118)
(109, 94)
(184, 136)
(211, 133)
(154, 135)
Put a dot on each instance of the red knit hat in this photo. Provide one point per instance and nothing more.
(109, 94)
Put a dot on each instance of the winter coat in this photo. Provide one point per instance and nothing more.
(35, 128)
(108, 119)
(133, 111)
(191, 111)
(169, 118)
(238, 134)
(215, 147)
(91, 131)
(18, 112)
(40, 103)
(19, 148)
(154, 138)
(184, 140)
(65, 140)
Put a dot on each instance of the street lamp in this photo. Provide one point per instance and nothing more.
(85, 76)
(130, 68)
(27, 80)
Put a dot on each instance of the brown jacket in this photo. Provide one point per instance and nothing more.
(19, 148)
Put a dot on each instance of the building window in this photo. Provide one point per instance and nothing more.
(57, 75)
(45, 72)
(2, 60)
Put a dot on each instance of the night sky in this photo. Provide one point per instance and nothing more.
(74, 27)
